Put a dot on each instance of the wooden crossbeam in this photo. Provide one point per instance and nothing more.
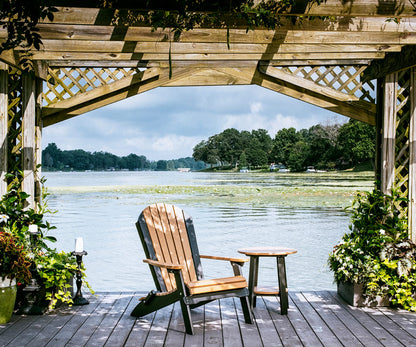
(298, 35)
(202, 64)
(338, 102)
(110, 93)
(358, 8)
(81, 56)
(208, 47)
(393, 62)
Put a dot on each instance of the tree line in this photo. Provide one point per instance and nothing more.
(55, 159)
(324, 147)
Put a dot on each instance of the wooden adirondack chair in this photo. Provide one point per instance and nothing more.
(169, 242)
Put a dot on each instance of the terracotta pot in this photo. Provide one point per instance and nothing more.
(8, 291)
(352, 293)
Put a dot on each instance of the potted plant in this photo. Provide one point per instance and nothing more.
(52, 271)
(14, 268)
(375, 263)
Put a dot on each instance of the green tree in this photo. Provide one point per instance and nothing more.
(229, 146)
(283, 143)
(161, 165)
(296, 160)
(256, 156)
(242, 162)
(265, 141)
(357, 142)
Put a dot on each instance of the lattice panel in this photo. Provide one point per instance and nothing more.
(345, 79)
(402, 138)
(65, 83)
(15, 123)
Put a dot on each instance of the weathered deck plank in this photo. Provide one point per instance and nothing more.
(313, 319)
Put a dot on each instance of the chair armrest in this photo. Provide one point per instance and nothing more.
(164, 265)
(235, 260)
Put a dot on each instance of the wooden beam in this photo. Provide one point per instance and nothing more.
(207, 47)
(307, 84)
(38, 143)
(10, 57)
(210, 77)
(3, 127)
(28, 137)
(330, 99)
(352, 110)
(298, 35)
(393, 62)
(108, 94)
(333, 8)
(201, 64)
(412, 159)
(389, 133)
(81, 56)
(96, 93)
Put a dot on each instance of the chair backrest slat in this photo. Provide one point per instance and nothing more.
(168, 236)
(157, 236)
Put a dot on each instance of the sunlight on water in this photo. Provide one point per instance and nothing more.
(105, 219)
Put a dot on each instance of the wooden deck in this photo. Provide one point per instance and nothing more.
(314, 319)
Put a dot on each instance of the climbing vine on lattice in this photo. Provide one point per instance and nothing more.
(14, 137)
(402, 153)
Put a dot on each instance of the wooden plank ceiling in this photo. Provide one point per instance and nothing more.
(319, 58)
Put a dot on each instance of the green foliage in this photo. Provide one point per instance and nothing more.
(377, 251)
(357, 142)
(323, 147)
(19, 18)
(227, 147)
(14, 259)
(20, 252)
(184, 15)
(79, 160)
(55, 270)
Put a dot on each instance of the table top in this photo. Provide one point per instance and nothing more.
(267, 251)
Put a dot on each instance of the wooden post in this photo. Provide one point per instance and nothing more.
(28, 137)
(412, 162)
(378, 165)
(38, 143)
(3, 127)
(389, 133)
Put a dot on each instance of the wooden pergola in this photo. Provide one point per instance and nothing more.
(355, 58)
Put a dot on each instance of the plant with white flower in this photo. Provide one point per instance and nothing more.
(4, 218)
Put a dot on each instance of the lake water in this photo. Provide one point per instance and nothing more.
(102, 207)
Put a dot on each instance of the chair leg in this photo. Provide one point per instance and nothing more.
(245, 304)
(153, 303)
(187, 319)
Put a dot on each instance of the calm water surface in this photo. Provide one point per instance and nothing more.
(105, 219)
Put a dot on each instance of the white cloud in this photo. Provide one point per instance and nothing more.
(167, 147)
(256, 107)
(166, 123)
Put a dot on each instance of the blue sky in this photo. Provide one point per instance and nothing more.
(166, 123)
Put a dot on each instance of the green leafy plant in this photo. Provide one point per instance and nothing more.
(52, 269)
(377, 252)
(56, 270)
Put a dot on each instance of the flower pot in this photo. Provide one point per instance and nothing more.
(353, 294)
(7, 298)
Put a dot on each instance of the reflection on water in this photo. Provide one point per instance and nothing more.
(114, 261)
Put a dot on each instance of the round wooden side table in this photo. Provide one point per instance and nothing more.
(279, 253)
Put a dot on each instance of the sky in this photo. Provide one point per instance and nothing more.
(167, 122)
